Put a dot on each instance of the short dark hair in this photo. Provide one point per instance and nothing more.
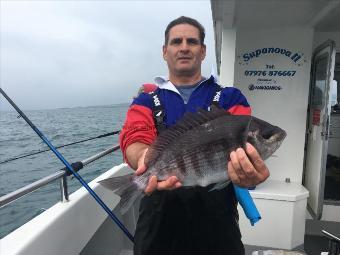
(185, 20)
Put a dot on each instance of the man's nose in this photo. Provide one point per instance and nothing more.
(184, 46)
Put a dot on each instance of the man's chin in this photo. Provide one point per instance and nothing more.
(185, 70)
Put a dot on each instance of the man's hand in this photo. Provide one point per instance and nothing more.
(171, 183)
(246, 168)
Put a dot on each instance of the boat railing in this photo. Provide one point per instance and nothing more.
(333, 243)
(61, 174)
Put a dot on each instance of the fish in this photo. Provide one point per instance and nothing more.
(196, 150)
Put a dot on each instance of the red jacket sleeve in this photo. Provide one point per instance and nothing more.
(240, 110)
(235, 102)
(138, 127)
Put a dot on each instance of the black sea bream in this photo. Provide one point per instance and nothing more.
(196, 150)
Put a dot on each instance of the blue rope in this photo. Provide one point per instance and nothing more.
(69, 167)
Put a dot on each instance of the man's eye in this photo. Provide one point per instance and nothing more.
(176, 41)
(193, 41)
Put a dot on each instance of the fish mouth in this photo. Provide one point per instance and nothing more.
(273, 138)
(281, 135)
(274, 135)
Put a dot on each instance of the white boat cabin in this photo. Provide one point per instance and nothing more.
(285, 57)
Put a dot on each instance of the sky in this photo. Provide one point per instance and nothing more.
(56, 54)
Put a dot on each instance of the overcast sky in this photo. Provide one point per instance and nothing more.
(78, 53)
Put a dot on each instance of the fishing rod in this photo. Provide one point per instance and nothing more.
(57, 147)
(70, 168)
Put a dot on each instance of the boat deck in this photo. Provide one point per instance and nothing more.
(102, 242)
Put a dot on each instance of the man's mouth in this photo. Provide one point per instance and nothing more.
(184, 58)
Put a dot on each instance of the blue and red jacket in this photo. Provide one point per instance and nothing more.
(139, 125)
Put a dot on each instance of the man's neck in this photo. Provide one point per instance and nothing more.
(185, 80)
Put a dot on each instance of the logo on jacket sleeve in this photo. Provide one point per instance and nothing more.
(217, 96)
(156, 100)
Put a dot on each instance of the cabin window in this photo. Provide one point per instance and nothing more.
(337, 77)
(320, 83)
(332, 182)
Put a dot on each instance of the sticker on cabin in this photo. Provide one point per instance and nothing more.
(264, 84)
(316, 117)
(270, 70)
(295, 57)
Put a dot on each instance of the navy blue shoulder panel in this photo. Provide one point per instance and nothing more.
(231, 97)
(143, 99)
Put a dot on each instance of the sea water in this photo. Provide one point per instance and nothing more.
(60, 126)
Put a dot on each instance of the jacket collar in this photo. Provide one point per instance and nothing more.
(163, 82)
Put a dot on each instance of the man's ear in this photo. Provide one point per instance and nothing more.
(164, 53)
(203, 52)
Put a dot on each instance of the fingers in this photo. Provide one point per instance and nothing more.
(169, 184)
(240, 169)
(232, 174)
(236, 175)
(152, 185)
(236, 164)
(258, 163)
(246, 168)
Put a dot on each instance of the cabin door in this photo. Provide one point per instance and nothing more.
(318, 126)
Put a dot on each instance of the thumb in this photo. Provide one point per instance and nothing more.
(141, 169)
(141, 165)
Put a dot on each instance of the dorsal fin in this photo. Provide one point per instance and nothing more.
(189, 121)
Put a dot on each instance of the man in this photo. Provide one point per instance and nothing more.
(187, 221)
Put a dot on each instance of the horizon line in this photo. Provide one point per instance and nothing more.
(10, 109)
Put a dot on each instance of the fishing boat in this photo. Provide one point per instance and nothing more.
(284, 56)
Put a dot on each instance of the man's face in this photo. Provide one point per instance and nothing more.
(184, 52)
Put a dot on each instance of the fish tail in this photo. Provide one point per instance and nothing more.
(126, 188)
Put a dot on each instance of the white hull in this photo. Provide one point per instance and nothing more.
(66, 228)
